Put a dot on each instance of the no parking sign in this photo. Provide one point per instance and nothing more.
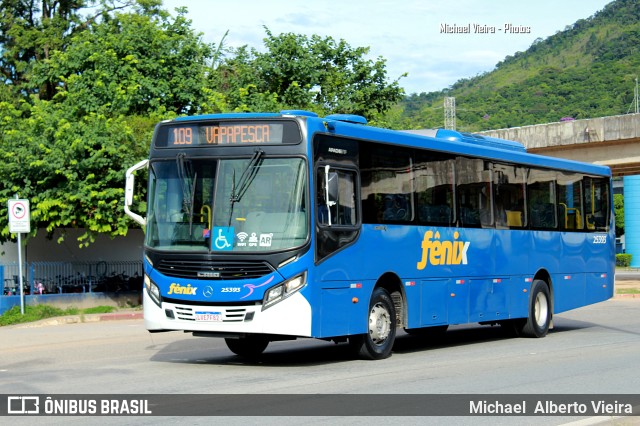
(19, 216)
(19, 222)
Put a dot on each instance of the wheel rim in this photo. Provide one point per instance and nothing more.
(379, 324)
(541, 310)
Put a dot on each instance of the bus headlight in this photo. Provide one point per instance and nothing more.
(282, 291)
(152, 290)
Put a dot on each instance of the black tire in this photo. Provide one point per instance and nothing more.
(540, 312)
(248, 347)
(381, 319)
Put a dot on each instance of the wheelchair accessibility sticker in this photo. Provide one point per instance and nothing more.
(223, 238)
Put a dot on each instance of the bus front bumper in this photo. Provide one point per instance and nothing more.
(291, 316)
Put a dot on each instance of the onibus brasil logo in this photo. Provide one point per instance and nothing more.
(445, 252)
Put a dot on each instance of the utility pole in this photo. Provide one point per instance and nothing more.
(450, 113)
(636, 96)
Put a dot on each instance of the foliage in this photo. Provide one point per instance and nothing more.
(587, 70)
(618, 208)
(300, 72)
(130, 64)
(31, 313)
(628, 291)
(98, 310)
(29, 34)
(623, 260)
(40, 312)
(71, 170)
(85, 81)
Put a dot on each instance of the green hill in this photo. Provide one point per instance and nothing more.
(588, 70)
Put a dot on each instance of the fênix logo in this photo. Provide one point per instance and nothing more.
(445, 252)
(180, 289)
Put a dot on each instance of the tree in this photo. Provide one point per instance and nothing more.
(131, 63)
(303, 72)
(618, 208)
(71, 170)
(30, 33)
(82, 95)
(113, 82)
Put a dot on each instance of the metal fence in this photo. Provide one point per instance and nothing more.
(71, 277)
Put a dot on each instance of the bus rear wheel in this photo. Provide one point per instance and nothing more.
(248, 347)
(540, 312)
(377, 343)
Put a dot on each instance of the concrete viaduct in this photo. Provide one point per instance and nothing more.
(610, 141)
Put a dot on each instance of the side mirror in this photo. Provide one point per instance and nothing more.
(129, 189)
(331, 190)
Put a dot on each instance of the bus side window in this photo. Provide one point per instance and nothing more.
(336, 213)
(541, 199)
(596, 204)
(509, 196)
(434, 182)
(473, 193)
(387, 191)
(336, 197)
(346, 198)
(570, 213)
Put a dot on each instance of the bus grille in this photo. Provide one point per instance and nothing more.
(213, 270)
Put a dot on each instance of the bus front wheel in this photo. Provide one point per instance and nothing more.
(540, 312)
(248, 347)
(377, 343)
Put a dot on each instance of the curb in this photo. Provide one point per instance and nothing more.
(626, 296)
(78, 319)
(120, 316)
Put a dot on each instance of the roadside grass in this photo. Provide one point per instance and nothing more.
(626, 269)
(628, 291)
(39, 312)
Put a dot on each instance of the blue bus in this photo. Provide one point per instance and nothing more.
(276, 226)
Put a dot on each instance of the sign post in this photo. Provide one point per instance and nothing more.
(19, 222)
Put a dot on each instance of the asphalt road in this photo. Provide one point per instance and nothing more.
(592, 350)
(631, 275)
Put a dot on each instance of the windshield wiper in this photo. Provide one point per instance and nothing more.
(188, 183)
(247, 176)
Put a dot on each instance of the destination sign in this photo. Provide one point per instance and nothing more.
(228, 133)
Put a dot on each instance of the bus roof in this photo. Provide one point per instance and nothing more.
(442, 140)
(467, 144)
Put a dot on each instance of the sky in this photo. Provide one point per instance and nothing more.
(417, 37)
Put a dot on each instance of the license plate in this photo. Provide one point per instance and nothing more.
(209, 316)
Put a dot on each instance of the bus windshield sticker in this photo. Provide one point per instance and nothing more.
(224, 237)
(242, 237)
(265, 240)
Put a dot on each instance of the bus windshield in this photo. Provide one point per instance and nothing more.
(230, 205)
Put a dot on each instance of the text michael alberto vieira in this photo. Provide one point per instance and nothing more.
(597, 407)
(484, 29)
